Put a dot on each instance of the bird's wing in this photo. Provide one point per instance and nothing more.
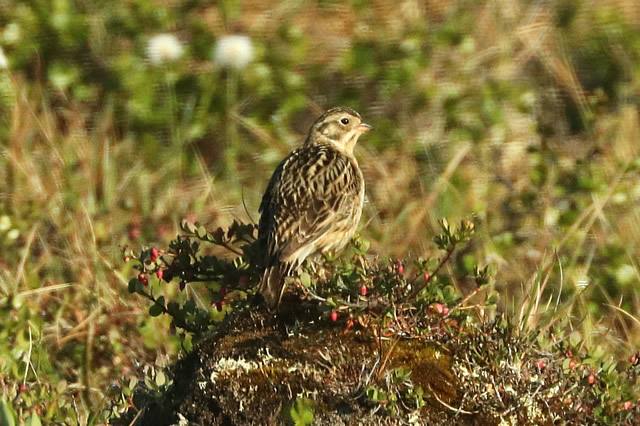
(313, 189)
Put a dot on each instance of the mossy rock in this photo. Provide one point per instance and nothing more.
(257, 364)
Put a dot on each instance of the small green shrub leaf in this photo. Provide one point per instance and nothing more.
(161, 379)
(134, 285)
(305, 279)
(155, 310)
(302, 412)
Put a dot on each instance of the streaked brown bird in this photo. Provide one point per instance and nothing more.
(313, 201)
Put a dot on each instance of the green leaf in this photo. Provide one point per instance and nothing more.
(156, 310)
(218, 235)
(134, 285)
(575, 338)
(148, 383)
(305, 279)
(598, 353)
(173, 308)
(161, 379)
(189, 306)
(372, 394)
(7, 415)
(492, 298)
(188, 226)
(187, 343)
(302, 412)
(201, 232)
(34, 420)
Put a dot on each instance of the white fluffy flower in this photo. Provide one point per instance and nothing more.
(233, 51)
(163, 48)
(4, 63)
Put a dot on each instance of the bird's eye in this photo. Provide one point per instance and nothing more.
(344, 121)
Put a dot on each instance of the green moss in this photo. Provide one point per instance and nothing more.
(430, 367)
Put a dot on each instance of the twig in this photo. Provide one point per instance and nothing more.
(444, 260)
(444, 404)
(383, 364)
(154, 300)
(228, 247)
(460, 306)
(135, 419)
(244, 204)
(315, 296)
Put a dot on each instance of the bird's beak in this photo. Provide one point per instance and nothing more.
(364, 127)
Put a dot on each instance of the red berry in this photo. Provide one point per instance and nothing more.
(126, 259)
(333, 316)
(143, 279)
(628, 405)
(568, 353)
(540, 364)
(219, 305)
(572, 364)
(591, 379)
(363, 290)
(154, 254)
(427, 276)
(445, 310)
(22, 388)
(439, 308)
(634, 359)
(160, 273)
(400, 268)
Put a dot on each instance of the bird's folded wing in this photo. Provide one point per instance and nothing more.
(311, 191)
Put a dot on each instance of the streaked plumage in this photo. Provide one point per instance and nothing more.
(313, 201)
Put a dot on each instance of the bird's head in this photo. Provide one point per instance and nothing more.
(340, 127)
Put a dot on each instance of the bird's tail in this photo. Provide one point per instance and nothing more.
(272, 284)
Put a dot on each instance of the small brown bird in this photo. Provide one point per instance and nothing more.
(313, 201)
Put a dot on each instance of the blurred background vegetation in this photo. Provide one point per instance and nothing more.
(119, 118)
